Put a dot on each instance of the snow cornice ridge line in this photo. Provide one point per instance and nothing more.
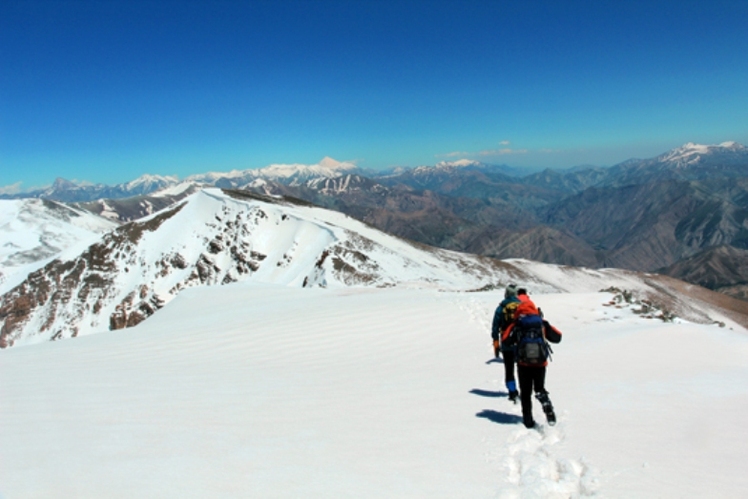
(245, 195)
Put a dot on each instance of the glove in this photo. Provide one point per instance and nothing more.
(496, 349)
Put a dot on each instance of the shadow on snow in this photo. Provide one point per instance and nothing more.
(495, 416)
(486, 393)
(499, 417)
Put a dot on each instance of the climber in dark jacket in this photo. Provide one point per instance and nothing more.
(502, 318)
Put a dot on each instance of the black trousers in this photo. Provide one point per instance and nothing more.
(508, 357)
(531, 379)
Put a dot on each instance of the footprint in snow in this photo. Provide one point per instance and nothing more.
(533, 468)
(477, 312)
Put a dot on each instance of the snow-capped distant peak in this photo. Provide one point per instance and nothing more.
(692, 147)
(149, 180)
(333, 164)
(731, 144)
(61, 183)
(690, 151)
(446, 165)
(460, 163)
(327, 167)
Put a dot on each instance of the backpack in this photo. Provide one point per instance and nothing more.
(532, 348)
(507, 313)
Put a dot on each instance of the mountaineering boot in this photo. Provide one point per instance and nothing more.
(547, 407)
(513, 396)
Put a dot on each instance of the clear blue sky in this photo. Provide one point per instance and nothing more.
(105, 91)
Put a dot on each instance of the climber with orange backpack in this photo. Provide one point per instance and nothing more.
(530, 334)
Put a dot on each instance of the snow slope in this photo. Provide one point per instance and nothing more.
(258, 390)
(34, 231)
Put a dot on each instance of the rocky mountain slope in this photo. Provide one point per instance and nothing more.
(722, 268)
(653, 225)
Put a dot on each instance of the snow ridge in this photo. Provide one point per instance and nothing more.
(216, 238)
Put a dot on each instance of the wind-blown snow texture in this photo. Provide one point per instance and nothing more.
(251, 390)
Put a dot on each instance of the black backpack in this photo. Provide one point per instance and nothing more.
(532, 347)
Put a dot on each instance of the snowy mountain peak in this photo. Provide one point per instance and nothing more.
(151, 182)
(333, 164)
(61, 183)
(328, 167)
(460, 163)
(295, 173)
(690, 162)
(445, 166)
(690, 152)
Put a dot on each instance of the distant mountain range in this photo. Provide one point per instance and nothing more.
(70, 192)
(644, 215)
(683, 213)
(218, 237)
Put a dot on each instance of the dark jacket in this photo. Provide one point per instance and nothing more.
(499, 323)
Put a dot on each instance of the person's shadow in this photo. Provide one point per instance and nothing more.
(495, 416)
(499, 417)
(486, 393)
